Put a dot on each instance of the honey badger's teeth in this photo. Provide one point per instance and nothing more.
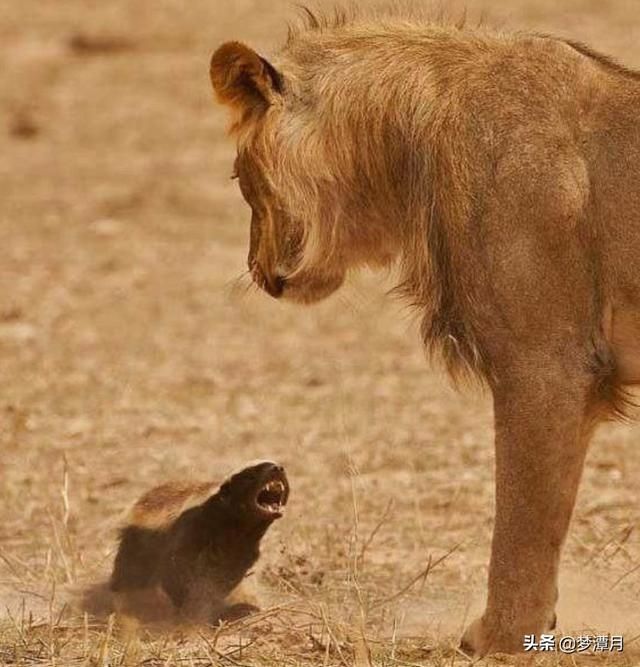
(275, 485)
(271, 496)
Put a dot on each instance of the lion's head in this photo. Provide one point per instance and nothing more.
(306, 188)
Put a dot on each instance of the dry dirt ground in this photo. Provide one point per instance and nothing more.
(131, 354)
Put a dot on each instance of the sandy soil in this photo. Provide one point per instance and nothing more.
(130, 353)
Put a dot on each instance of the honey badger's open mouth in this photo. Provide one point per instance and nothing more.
(272, 497)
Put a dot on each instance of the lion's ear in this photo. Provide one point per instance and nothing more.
(242, 79)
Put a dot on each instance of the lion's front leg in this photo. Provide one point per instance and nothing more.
(542, 431)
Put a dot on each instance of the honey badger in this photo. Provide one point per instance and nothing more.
(186, 547)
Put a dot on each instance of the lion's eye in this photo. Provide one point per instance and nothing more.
(234, 176)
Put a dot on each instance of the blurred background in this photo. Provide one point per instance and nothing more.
(132, 351)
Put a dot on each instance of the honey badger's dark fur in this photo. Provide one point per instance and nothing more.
(186, 546)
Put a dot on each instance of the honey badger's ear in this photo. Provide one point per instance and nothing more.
(242, 79)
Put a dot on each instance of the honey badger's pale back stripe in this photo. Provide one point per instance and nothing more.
(162, 505)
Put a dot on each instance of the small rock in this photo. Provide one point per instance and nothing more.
(107, 227)
(82, 44)
(23, 126)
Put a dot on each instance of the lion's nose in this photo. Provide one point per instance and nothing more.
(272, 285)
(276, 287)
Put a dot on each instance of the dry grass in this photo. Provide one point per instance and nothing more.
(129, 353)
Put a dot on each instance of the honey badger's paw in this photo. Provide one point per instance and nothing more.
(237, 611)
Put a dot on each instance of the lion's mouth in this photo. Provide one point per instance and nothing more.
(311, 289)
(272, 497)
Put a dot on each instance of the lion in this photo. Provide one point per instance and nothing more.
(500, 173)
